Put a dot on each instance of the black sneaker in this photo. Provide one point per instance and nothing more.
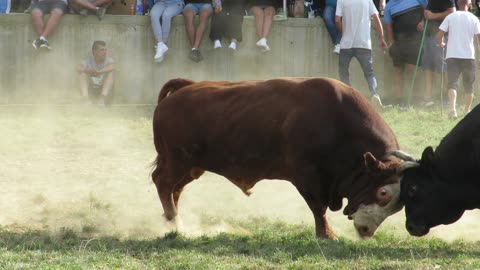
(195, 55)
(36, 43)
(200, 57)
(44, 44)
(100, 13)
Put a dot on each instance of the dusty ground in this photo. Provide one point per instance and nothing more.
(89, 169)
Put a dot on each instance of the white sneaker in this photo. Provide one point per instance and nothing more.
(232, 45)
(160, 51)
(377, 102)
(217, 44)
(263, 43)
(337, 49)
(158, 60)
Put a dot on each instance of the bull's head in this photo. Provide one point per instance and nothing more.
(428, 200)
(376, 193)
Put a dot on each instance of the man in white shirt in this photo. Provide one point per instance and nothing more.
(461, 26)
(353, 21)
(96, 75)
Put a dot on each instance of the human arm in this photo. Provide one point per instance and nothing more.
(338, 23)
(81, 68)
(338, 16)
(478, 44)
(390, 37)
(440, 35)
(437, 16)
(379, 28)
(420, 26)
(217, 5)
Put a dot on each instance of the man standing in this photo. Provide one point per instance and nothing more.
(432, 58)
(204, 9)
(404, 24)
(462, 26)
(56, 8)
(353, 21)
(96, 75)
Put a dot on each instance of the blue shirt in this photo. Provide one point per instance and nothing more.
(395, 7)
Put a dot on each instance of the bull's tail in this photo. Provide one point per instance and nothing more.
(171, 86)
(155, 163)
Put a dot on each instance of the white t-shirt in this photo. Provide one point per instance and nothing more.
(89, 62)
(461, 26)
(356, 22)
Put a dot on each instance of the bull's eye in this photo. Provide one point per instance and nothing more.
(412, 190)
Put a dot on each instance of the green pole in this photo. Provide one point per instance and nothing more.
(418, 61)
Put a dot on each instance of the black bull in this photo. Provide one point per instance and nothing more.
(444, 183)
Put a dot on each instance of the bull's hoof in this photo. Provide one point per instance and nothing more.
(328, 236)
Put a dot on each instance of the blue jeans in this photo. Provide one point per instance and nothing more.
(364, 57)
(166, 9)
(329, 19)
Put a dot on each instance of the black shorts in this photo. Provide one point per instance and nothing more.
(48, 5)
(404, 52)
(457, 66)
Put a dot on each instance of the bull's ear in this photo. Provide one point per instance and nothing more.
(371, 163)
(427, 156)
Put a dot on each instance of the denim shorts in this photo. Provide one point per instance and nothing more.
(433, 56)
(48, 6)
(196, 8)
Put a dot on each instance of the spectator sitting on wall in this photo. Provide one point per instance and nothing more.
(97, 7)
(204, 9)
(462, 26)
(97, 75)
(404, 25)
(227, 22)
(353, 20)
(164, 10)
(263, 11)
(329, 19)
(56, 8)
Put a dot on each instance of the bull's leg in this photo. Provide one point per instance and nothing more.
(194, 174)
(319, 209)
(165, 181)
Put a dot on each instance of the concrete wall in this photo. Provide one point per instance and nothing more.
(300, 47)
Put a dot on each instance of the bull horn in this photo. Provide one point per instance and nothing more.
(402, 155)
(407, 164)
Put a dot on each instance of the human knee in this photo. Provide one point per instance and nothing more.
(36, 12)
(56, 12)
(269, 12)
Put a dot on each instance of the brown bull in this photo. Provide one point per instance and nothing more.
(320, 134)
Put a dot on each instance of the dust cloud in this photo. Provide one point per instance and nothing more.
(88, 169)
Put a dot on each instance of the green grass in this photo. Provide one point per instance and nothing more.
(76, 194)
